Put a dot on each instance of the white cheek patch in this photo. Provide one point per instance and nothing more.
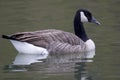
(83, 17)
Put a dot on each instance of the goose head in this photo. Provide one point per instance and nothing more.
(84, 15)
(81, 16)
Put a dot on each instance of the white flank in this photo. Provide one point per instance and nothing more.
(90, 45)
(27, 48)
(83, 17)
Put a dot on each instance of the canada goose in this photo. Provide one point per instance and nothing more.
(56, 41)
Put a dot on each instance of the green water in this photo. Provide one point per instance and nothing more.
(30, 15)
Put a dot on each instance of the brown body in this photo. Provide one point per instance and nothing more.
(53, 40)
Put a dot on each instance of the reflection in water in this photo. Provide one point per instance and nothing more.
(81, 73)
(27, 59)
(23, 60)
(54, 63)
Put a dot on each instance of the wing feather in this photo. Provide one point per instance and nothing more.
(44, 38)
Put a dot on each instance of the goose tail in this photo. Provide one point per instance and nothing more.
(8, 37)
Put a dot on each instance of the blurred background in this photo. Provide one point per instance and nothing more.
(31, 15)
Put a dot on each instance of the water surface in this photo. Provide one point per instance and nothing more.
(30, 15)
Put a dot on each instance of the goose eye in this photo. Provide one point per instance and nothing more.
(88, 15)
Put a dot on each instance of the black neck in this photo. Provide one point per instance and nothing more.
(79, 28)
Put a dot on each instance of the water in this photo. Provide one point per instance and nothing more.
(30, 15)
(51, 65)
